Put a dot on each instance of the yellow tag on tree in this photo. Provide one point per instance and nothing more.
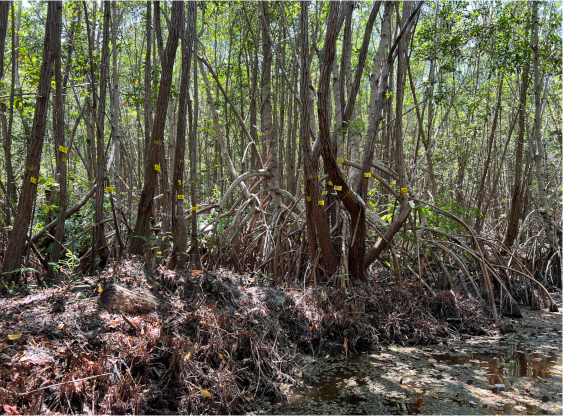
(63, 159)
(324, 192)
(157, 142)
(321, 202)
(194, 208)
(179, 181)
(109, 189)
(340, 160)
(33, 180)
(157, 168)
(63, 149)
(338, 188)
(308, 198)
(404, 191)
(330, 183)
(367, 175)
(180, 196)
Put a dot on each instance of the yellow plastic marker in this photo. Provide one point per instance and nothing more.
(324, 192)
(180, 196)
(340, 160)
(194, 208)
(321, 202)
(33, 180)
(109, 189)
(157, 168)
(63, 149)
(404, 191)
(367, 175)
(308, 198)
(338, 188)
(63, 159)
(330, 183)
(157, 142)
(318, 176)
(179, 181)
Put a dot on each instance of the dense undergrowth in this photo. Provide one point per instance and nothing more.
(217, 340)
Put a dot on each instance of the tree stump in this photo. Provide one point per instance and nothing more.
(115, 297)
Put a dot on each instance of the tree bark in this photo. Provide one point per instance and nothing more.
(537, 141)
(516, 201)
(179, 226)
(16, 243)
(142, 226)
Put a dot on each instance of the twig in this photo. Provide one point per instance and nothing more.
(60, 384)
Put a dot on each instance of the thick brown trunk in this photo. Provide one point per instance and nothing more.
(16, 243)
(152, 168)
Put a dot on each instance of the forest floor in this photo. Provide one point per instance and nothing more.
(219, 342)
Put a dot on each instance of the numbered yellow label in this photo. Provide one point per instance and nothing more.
(330, 183)
(194, 208)
(337, 188)
(180, 196)
(308, 198)
(324, 192)
(157, 168)
(157, 142)
(404, 191)
(33, 180)
(63, 159)
(63, 149)
(367, 175)
(109, 189)
(340, 160)
(321, 202)
(179, 181)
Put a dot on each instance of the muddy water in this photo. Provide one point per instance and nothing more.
(516, 373)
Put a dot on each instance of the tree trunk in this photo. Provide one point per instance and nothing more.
(61, 158)
(142, 226)
(537, 141)
(179, 227)
(99, 244)
(516, 202)
(4, 14)
(16, 243)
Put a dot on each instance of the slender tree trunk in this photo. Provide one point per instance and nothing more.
(480, 217)
(537, 141)
(16, 243)
(152, 169)
(4, 14)
(116, 132)
(99, 245)
(61, 158)
(195, 260)
(266, 108)
(516, 202)
(179, 226)
(147, 104)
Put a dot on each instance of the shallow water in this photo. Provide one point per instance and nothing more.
(517, 373)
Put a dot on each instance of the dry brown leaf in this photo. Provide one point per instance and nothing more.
(206, 393)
